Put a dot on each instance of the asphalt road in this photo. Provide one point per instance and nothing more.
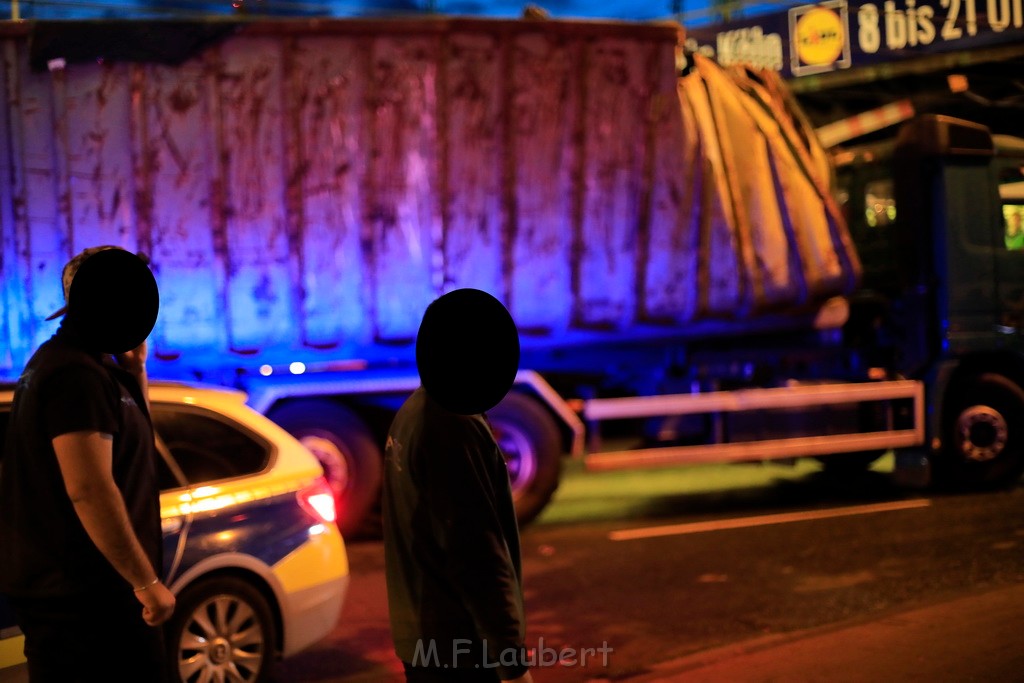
(726, 555)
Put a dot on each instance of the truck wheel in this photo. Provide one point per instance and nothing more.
(345, 447)
(222, 630)
(983, 435)
(532, 445)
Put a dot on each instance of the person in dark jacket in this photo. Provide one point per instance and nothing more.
(79, 502)
(451, 540)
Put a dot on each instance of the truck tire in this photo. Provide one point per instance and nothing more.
(532, 445)
(223, 628)
(983, 435)
(346, 449)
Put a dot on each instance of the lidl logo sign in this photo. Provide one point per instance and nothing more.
(819, 38)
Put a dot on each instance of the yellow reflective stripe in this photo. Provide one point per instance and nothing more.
(219, 495)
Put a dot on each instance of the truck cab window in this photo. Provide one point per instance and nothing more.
(866, 196)
(1011, 192)
(1013, 228)
(879, 203)
(207, 448)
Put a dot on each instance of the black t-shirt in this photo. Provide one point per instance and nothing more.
(46, 550)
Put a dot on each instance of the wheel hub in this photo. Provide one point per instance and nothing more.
(221, 641)
(982, 433)
(219, 651)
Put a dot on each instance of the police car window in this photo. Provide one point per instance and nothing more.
(208, 447)
(165, 477)
(169, 475)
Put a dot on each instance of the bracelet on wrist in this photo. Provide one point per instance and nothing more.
(147, 586)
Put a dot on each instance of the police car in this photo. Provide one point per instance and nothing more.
(250, 546)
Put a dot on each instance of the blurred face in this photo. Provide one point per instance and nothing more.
(113, 301)
(467, 351)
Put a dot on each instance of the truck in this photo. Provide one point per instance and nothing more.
(684, 261)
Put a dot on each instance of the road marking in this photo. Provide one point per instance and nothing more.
(763, 520)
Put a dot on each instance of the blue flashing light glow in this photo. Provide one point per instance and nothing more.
(138, 9)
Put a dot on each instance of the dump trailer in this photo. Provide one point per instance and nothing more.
(682, 257)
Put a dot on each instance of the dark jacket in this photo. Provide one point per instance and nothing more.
(451, 543)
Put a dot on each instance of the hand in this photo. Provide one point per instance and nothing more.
(134, 361)
(525, 678)
(157, 604)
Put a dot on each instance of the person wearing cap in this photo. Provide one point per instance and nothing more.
(451, 540)
(79, 499)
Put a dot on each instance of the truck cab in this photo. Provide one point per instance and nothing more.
(936, 217)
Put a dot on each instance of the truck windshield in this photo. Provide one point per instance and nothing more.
(879, 203)
(1011, 192)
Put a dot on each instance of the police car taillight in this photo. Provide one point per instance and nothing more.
(318, 500)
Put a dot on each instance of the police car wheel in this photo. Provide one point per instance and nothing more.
(222, 630)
